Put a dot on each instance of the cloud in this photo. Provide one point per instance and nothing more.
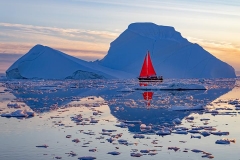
(89, 44)
(71, 34)
(203, 6)
(225, 51)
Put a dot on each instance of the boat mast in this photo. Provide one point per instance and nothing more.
(147, 62)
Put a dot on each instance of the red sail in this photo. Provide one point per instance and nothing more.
(147, 67)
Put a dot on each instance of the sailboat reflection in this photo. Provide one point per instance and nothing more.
(148, 97)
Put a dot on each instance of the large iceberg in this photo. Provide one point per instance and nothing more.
(172, 55)
(43, 62)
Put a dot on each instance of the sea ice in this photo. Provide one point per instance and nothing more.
(19, 113)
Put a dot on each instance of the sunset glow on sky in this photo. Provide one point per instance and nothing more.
(85, 28)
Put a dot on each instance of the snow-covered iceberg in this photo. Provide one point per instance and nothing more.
(172, 55)
(43, 62)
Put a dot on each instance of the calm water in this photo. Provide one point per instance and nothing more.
(55, 102)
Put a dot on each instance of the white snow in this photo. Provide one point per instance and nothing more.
(172, 55)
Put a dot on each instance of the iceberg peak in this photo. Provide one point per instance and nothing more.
(156, 32)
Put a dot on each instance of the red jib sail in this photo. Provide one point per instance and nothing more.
(147, 67)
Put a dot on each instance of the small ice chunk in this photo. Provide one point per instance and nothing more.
(164, 131)
(136, 154)
(225, 141)
(180, 132)
(138, 136)
(194, 131)
(173, 148)
(143, 126)
(42, 146)
(114, 153)
(205, 133)
(219, 133)
(177, 121)
(196, 150)
(87, 158)
(192, 136)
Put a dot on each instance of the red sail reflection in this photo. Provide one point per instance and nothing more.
(148, 97)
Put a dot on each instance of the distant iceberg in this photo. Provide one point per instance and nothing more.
(43, 62)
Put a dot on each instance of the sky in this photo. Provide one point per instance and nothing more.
(85, 28)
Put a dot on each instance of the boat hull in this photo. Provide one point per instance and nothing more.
(150, 79)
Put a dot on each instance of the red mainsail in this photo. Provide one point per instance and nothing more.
(147, 67)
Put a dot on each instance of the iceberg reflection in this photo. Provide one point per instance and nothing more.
(149, 107)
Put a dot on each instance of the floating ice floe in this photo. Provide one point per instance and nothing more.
(57, 157)
(143, 126)
(205, 133)
(192, 136)
(136, 154)
(138, 136)
(174, 86)
(196, 150)
(72, 154)
(87, 158)
(92, 150)
(144, 151)
(114, 153)
(173, 148)
(177, 121)
(193, 131)
(164, 132)
(109, 130)
(219, 133)
(110, 140)
(189, 118)
(133, 122)
(187, 108)
(76, 140)
(13, 105)
(122, 141)
(19, 113)
(179, 131)
(42, 146)
(183, 86)
(68, 136)
(225, 141)
(122, 125)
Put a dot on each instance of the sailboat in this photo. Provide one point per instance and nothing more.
(148, 73)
